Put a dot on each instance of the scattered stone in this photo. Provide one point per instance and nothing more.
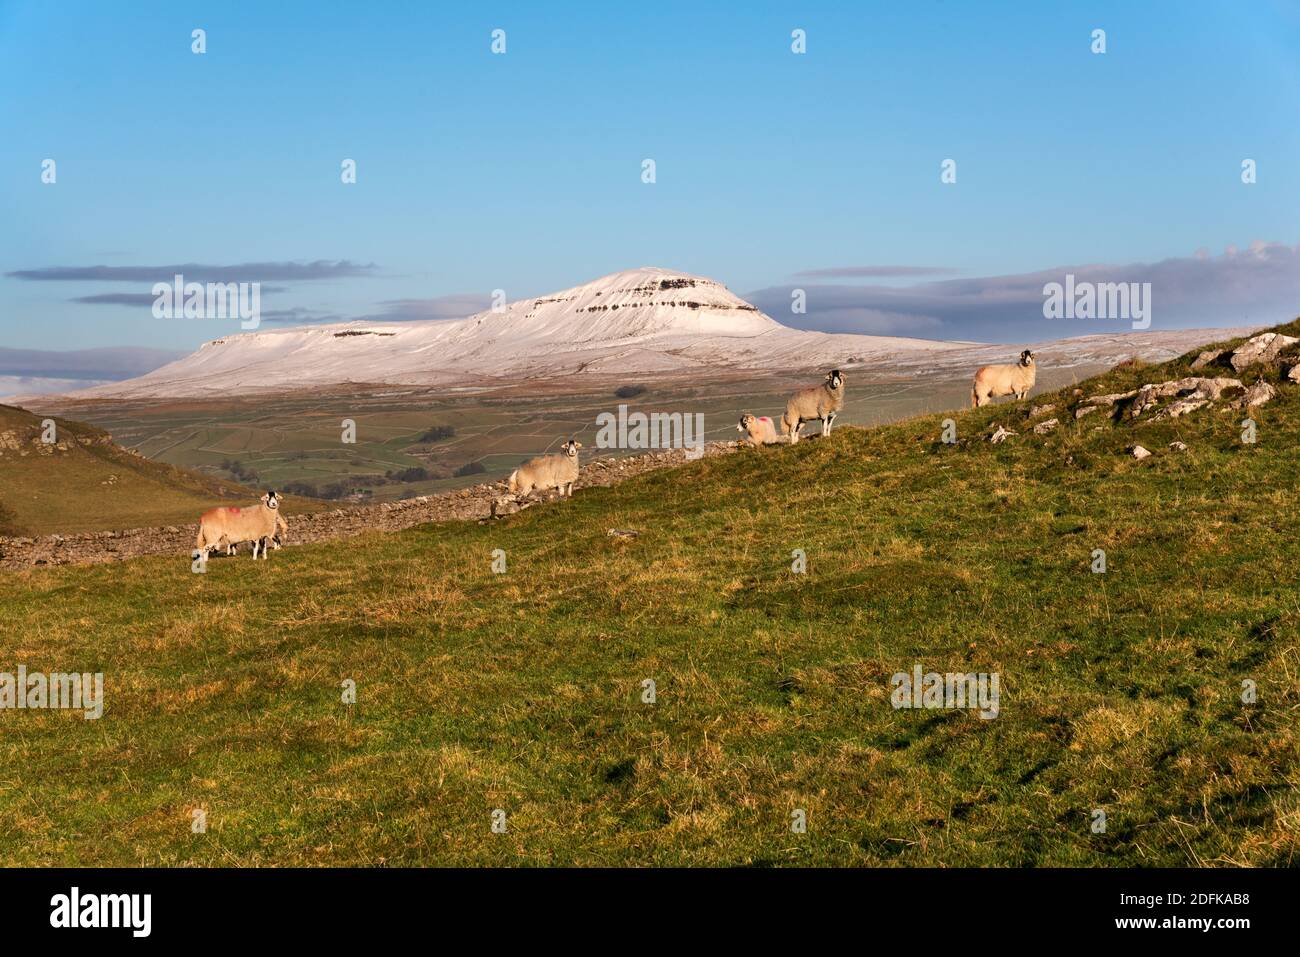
(1138, 452)
(1205, 358)
(1264, 347)
(1083, 410)
(1111, 398)
(505, 505)
(623, 533)
(1000, 435)
(1257, 394)
(1042, 428)
(1178, 446)
(1038, 410)
(1294, 374)
(1181, 407)
(1192, 387)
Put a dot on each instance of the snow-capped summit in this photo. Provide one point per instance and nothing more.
(633, 304)
(638, 320)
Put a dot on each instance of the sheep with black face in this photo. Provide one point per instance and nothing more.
(818, 403)
(233, 525)
(547, 472)
(993, 381)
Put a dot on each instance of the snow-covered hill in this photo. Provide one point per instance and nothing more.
(639, 320)
(645, 320)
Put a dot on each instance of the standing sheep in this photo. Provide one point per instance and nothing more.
(993, 381)
(547, 472)
(815, 403)
(256, 525)
(758, 430)
(277, 540)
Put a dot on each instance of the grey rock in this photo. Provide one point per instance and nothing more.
(1257, 394)
(1205, 358)
(1264, 347)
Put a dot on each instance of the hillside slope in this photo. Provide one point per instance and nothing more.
(1121, 692)
(83, 482)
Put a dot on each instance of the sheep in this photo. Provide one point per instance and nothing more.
(234, 525)
(547, 472)
(992, 381)
(758, 430)
(276, 540)
(819, 402)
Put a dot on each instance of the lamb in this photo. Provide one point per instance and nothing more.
(819, 402)
(759, 430)
(547, 472)
(992, 381)
(255, 525)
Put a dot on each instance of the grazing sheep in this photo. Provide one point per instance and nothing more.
(547, 472)
(993, 381)
(234, 525)
(758, 430)
(815, 403)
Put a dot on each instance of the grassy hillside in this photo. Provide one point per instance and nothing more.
(523, 691)
(84, 482)
(294, 438)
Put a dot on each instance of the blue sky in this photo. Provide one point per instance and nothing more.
(523, 171)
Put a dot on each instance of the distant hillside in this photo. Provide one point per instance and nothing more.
(1156, 696)
(646, 320)
(83, 482)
